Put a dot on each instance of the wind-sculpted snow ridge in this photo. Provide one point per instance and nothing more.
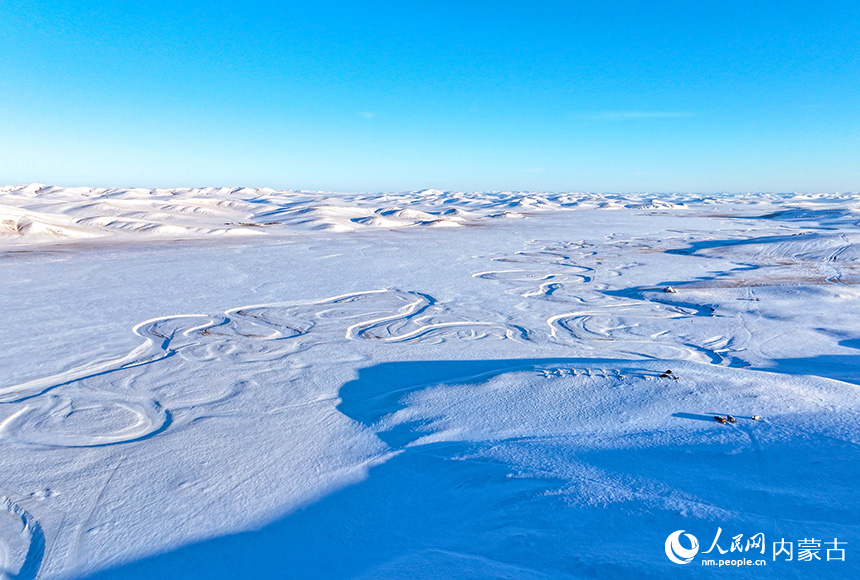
(22, 542)
(533, 418)
(36, 213)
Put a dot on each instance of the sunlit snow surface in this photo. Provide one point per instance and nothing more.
(238, 383)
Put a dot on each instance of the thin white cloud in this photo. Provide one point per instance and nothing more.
(635, 115)
(367, 114)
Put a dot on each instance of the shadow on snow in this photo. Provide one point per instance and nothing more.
(446, 510)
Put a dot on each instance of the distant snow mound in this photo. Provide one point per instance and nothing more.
(658, 204)
(38, 213)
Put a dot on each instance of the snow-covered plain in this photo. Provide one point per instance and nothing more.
(238, 383)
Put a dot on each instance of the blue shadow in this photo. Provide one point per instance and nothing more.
(447, 510)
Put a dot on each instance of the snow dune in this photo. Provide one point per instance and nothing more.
(38, 213)
(423, 402)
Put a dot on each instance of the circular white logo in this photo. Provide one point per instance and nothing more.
(678, 553)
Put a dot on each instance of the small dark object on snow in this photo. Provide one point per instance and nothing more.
(756, 418)
(719, 419)
(730, 419)
(669, 290)
(664, 376)
(668, 372)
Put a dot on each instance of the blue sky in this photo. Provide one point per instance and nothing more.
(382, 96)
